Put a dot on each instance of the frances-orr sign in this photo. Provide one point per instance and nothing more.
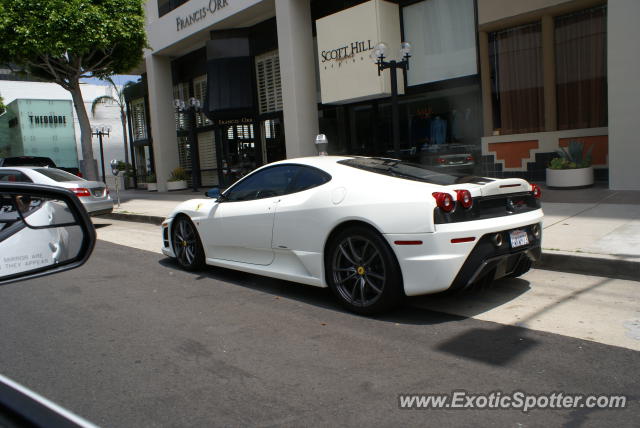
(345, 40)
(183, 22)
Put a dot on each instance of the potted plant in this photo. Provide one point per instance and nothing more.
(571, 168)
(152, 185)
(178, 179)
(127, 173)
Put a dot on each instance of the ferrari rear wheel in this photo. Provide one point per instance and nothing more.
(186, 244)
(362, 271)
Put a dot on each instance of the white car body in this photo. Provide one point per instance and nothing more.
(96, 200)
(286, 236)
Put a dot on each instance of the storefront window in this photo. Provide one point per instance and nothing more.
(443, 37)
(138, 120)
(184, 153)
(581, 65)
(517, 81)
(181, 92)
(444, 129)
(268, 81)
(200, 93)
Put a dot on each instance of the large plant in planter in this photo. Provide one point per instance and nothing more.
(178, 179)
(571, 167)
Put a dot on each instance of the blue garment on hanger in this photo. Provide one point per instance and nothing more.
(438, 130)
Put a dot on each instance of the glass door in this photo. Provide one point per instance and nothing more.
(273, 147)
(239, 156)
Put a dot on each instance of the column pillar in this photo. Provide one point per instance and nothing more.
(623, 69)
(298, 75)
(485, 81)
(162, 118)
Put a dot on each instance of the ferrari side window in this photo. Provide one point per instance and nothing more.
(308, 178)
(266, 183)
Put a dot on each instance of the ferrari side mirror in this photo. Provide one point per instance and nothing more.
(213, 193)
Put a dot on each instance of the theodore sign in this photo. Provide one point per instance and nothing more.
(345, 40)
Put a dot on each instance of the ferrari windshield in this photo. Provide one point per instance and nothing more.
(410, 171)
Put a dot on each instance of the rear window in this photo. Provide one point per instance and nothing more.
(57, 174)
(9, 176)
(410, 171)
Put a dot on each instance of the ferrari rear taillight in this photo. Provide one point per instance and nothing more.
(535, 189)
(464, 198)
(81, 192)
(444, 201)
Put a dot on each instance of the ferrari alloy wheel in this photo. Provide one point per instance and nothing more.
(186, 244)
(362, 271)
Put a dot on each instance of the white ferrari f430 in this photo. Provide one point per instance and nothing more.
(373, 230)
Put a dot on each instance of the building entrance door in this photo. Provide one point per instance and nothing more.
(239, 151)
(273, 148)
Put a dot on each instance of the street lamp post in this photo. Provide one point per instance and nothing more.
(378, 55)
(100, 131)
(191, 109)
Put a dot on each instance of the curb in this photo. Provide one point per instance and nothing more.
(139, 218)
(606, 266)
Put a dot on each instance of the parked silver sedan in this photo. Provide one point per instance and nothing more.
(94, 195)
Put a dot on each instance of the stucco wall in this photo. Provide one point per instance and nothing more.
(624, 94)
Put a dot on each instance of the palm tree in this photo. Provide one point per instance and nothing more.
(120, 101)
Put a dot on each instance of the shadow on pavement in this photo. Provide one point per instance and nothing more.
(495, 346)
(411, 313)
(477, 301)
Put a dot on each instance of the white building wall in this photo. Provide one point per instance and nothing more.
(107, 114)
(623, 69)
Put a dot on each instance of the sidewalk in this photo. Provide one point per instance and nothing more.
(594, 231)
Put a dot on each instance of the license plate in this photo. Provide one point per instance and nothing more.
(518, 238)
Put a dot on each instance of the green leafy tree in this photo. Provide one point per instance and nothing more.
(2, 107)
(121, 103)
(63, 41)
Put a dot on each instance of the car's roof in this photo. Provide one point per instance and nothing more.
(26, 168)
(326, 163)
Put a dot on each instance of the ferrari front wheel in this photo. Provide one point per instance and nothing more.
(362, 271)
(186, 244)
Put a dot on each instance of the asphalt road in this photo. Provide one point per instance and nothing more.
(129, 340)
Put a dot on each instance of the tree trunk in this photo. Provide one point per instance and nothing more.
(90, 167)
(123, 119)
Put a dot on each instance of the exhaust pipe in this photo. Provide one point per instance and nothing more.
(498, 240)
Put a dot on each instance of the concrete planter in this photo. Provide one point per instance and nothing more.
(176, 185)
(152, 187)
(570, 178)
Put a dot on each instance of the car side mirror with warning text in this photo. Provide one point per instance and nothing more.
(43, 230)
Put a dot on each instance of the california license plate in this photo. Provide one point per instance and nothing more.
(518, 238)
